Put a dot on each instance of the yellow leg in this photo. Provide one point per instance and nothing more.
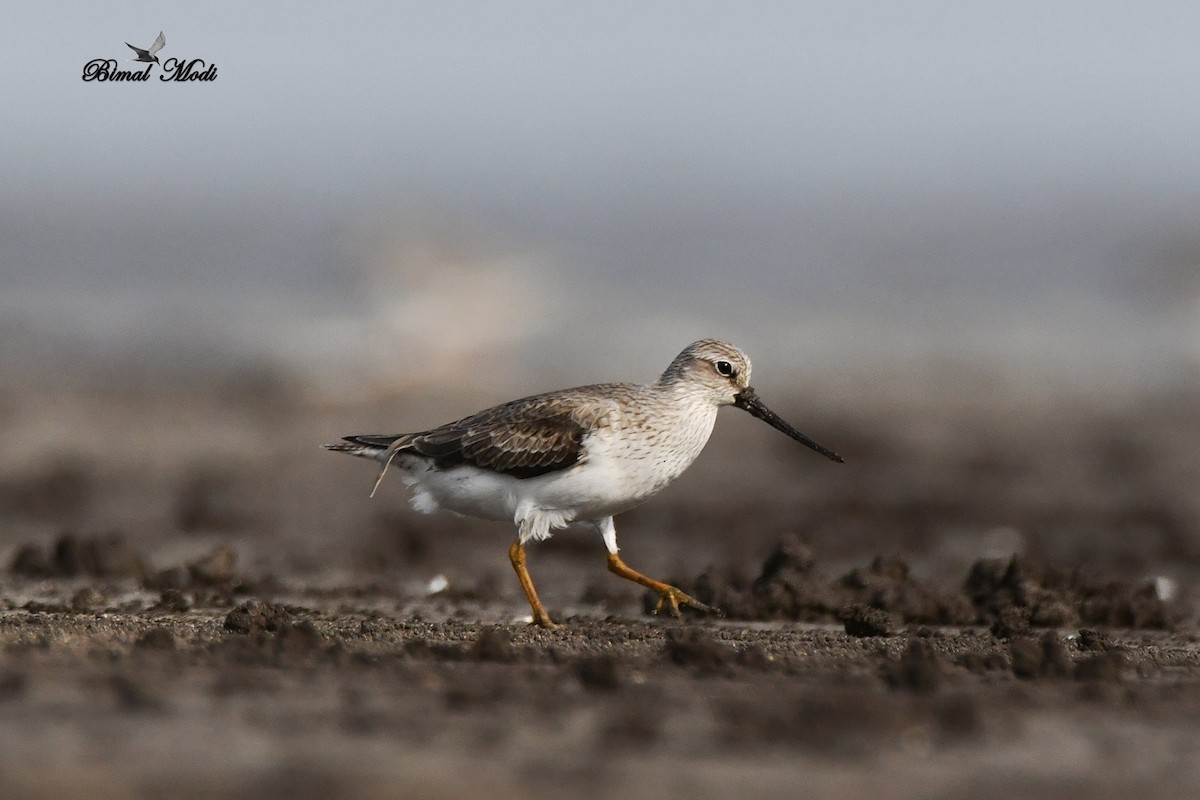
(667, 593)
(516, 554)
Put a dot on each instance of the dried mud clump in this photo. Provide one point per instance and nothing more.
(216, 569)
(787, 588)
(211, 579)
(255, 616)
(863, 621)
(886, 584)
(1009, 595)
(106, 556)
(998, 587)
(1100, 659)
(172, 601)
(1006, 592)
(790, 587)
(156, 638)
(87, 598)
(267, 633)
(1095, 641)
(1048, 658)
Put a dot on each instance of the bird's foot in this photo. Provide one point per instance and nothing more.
(669, 596)
(542, 620)
(672, 598)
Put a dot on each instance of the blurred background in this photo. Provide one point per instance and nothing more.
(403, 188)
(933, 224)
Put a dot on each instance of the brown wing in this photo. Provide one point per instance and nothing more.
(524, 438)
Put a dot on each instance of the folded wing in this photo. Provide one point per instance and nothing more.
(525, 438)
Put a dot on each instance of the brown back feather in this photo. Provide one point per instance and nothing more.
(523, 438)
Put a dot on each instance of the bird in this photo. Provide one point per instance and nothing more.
(576, 456)
(149, 55)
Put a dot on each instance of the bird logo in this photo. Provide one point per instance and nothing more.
(148, 55)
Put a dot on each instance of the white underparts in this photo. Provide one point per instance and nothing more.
(422, 500)
(539, 523)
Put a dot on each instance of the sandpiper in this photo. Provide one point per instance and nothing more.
(575, 456)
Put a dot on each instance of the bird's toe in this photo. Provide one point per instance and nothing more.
(672, 598)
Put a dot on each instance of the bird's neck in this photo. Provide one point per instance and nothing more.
(677, 390)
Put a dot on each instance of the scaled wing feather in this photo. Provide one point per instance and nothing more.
(524, 439)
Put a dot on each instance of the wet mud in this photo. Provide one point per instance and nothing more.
(942, 617)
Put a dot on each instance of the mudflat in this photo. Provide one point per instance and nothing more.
(995, 596)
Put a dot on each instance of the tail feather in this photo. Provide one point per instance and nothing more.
(373, 440)
(365, 445)
(381, 448)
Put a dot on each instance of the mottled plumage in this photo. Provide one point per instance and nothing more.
(522, 438)
(575, 456)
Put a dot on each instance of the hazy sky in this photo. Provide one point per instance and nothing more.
(550, 100)
(789, 155)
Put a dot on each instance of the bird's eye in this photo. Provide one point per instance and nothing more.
(724, 368)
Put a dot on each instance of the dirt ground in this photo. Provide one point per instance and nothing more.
(995, 596)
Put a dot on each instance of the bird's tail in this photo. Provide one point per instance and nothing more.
(364, 446)
(374, 447)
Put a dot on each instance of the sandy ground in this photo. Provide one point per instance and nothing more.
(995, 596)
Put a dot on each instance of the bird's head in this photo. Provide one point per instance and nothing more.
(718, 369)
(721, 372)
